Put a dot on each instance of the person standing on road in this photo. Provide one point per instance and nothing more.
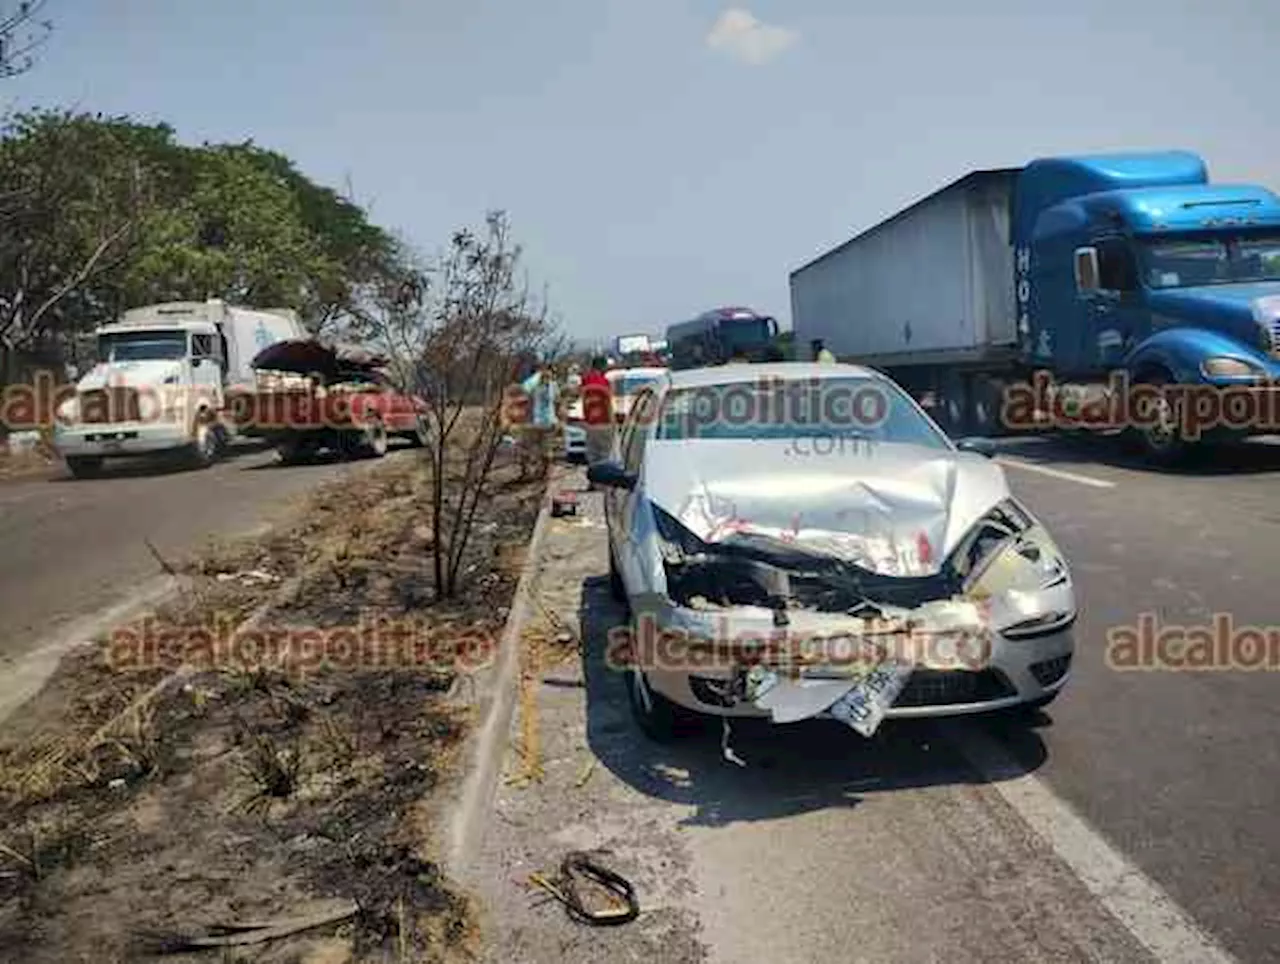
(597, 412)
(541, 388)
(821, 353)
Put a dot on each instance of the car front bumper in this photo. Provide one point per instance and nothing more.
(1012, 671)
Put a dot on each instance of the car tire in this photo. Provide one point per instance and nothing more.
(296, 451)
(661, 720)
(84, 466)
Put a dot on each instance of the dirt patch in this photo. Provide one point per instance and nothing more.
(37, 463)
(264, 746)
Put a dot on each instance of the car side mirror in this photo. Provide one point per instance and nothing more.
(611, 475)
(978, 446)
(1086, 270)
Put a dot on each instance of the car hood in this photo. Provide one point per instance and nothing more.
(892, 508)
(131, 374)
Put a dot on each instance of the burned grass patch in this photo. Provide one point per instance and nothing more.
(155, 790)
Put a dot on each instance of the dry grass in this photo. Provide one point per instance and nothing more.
(175, 796)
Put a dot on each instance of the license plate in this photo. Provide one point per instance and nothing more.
(864, 706)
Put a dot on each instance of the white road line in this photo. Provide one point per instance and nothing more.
(1056, 473)
(1148, 913)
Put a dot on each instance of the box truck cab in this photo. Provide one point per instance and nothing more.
(1136, 263)
(161, 382)
(1110, 274)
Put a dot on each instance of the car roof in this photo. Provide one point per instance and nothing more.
(752, 371)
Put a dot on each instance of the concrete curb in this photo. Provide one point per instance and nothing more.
(471, 805)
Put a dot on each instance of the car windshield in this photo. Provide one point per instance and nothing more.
(827, 408)
(1193, 261)
(142, 346)
(630, 384)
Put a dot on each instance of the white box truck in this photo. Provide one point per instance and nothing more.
(162, 381)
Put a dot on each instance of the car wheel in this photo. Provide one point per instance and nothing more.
(419, 437)
(295, 451)
(84, 466)
(658, 718)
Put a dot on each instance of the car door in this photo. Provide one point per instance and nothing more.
(621, 511)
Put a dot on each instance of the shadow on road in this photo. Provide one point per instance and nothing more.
(324, 457)
(1241, 458)
(145, 466)
(790, 769)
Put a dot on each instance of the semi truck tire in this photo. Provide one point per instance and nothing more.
(368, 441)
(206, 443)
(1163, 445)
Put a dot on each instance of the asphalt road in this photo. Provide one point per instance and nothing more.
(1134, 822)
(73, 547)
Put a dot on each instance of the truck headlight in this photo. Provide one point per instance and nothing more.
(1224, 366)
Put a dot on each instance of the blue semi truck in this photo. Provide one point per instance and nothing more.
(1119, 293)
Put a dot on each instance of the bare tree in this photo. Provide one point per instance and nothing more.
(22, 31)
(458, 331)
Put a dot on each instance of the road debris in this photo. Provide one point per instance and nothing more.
(564, 502)
(235, 935)
(725, 749)
(584, 774)
(616, 889)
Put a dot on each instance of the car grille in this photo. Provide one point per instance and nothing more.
(103, 406)
(1051, 670)
(930, 687)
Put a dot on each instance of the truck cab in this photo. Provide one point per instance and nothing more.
(160, 382)
(1135, 264)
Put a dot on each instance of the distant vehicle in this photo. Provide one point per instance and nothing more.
(1100, 270)
(310, 396)
(626, 384)
(161, 382)
(769, 574)
(716, 336)
(625, 345)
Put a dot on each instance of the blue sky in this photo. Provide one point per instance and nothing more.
(656, 164)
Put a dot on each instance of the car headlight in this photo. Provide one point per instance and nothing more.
(1223, 366)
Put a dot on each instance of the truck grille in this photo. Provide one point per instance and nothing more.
(1275, 337)
(103, 406)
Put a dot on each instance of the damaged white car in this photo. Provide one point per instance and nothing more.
(797, 540)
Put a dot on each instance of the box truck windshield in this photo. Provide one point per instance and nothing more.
(142, 346)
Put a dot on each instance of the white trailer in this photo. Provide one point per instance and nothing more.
(931, 285)
(162, 382)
